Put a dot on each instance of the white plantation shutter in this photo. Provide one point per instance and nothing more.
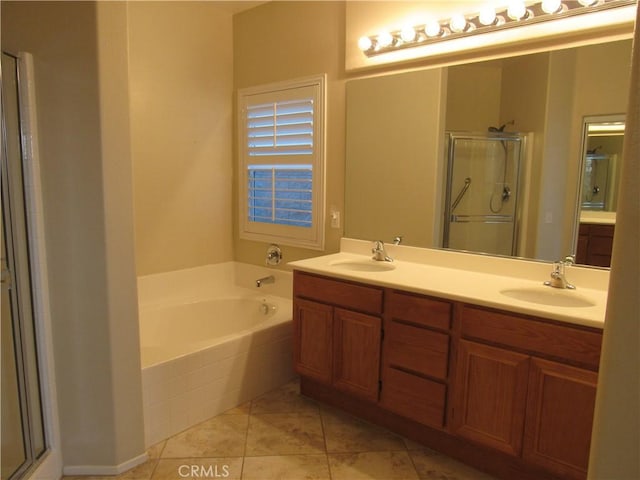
(280, 128)
(281, 150)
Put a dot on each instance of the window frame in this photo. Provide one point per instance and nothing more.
(306, 237)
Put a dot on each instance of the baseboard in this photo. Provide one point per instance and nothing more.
(100, 470)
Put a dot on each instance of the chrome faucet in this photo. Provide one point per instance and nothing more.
(558, 279)
(379, 252)
(263, 280)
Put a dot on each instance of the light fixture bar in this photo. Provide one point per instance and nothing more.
(518, 13)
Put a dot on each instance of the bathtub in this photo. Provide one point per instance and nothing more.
(209, 341)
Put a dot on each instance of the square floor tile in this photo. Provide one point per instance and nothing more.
(372, 466)
(432, 465)
(347, 434)
(285, 434)
(222, 436)
(191, 468)
(286, 467)
(286, 399)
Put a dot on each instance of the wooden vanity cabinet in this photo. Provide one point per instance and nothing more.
(415, 364)
(595, 243)
(490, 396)
(559, 416)
(511, 394)
(337, 333)
(313, 346)
(356, 353)
(526, 387)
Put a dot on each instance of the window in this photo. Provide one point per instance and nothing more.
(281, 156)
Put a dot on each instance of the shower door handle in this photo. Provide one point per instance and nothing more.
(467, 182)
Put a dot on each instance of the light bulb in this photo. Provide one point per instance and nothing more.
(551, 6)
(365, 43)
(458, 23)
(385, 39)
(517, 10)
(433, 29)
(408, 34)
(587, 3)
(487, 16)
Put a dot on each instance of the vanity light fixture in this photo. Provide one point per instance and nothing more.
(433, 29)
(517, 13)
(552, 6)
(458, 24)
(408, 34)
(517, 10)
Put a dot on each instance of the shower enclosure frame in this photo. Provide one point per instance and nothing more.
(49, 464)
(448, 194)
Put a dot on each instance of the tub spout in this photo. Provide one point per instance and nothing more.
(269, 279)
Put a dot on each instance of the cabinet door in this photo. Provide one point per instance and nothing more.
(490, 396)
(356, 367)
(560, 406)
(313, 339)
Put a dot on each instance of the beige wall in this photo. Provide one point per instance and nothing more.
(181, 71)
(287, 40)
(473, 97)
(394, 144)
(82, 106)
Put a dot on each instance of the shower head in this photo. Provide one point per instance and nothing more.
(502, 127)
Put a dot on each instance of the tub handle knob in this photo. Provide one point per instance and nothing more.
(274, 255)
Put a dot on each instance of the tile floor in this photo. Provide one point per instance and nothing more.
(282, 435)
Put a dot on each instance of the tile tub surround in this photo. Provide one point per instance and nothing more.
(282, 435)
(186, 390)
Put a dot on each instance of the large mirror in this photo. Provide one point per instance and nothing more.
(501, 140)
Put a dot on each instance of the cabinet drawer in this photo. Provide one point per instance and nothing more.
(568, 343)
(413, 397)
(416, 349)
(343, 294)
(419, 310)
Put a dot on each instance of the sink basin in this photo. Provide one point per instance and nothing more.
(363, 265)
(548, 296)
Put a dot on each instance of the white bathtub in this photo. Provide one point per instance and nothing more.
(210, 340)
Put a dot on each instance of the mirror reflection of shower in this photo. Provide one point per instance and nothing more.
(482, 214)
(504, 191)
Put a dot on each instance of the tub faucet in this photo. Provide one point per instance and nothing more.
(269, 279)
(379, 252)
(558, 279)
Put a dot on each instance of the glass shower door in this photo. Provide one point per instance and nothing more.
(481, 202)
(22, 434)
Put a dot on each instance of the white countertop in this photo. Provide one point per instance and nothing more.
(472, 284)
